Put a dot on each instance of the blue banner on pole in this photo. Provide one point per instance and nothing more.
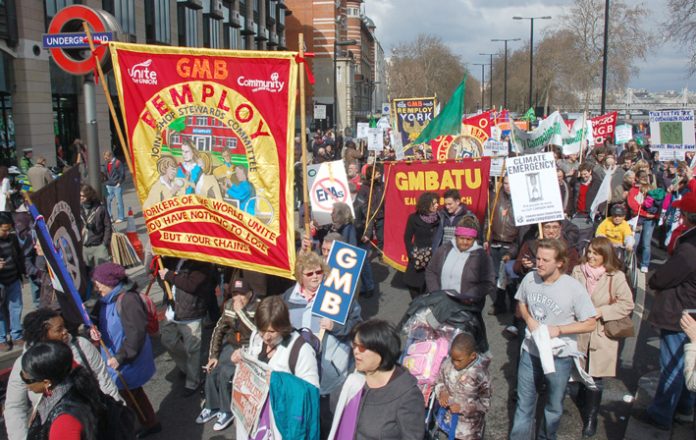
(336, 293)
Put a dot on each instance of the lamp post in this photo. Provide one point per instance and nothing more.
(335, 74)
(490, 81)
(505, 76)
(482, 83)
(604, 57)
(531, 50)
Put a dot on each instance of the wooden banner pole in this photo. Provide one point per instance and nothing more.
(303, 137)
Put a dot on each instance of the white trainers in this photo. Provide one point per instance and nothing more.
(644, 269)
(207, 415)
(223, 421)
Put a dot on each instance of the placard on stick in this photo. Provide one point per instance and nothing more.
(534, 190)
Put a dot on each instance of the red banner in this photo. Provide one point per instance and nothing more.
(210, 135)
(474, 133)
(407, 181)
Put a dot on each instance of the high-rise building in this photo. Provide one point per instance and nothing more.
(42, 107)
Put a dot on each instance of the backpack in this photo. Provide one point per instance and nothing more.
(152, 326)
(423, 360)
(115, 420)
(306, 337)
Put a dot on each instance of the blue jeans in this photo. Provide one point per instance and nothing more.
(643, 239)
(529, 377)
(14, 307)
(115, 192)
(671, 394)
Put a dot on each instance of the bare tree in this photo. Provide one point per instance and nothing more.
(427, 67)
(681, 27)
(628, 42)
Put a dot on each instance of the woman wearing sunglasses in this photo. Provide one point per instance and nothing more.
(381, 400)
(43, 325)
(68, 406)
(336, 360)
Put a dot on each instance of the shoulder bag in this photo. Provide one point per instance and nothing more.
(618, 328)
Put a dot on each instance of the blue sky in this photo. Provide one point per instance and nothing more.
(467, 26)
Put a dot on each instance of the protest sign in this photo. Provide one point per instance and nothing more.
(495, 148)
(249, 391)
(397, 146)
(406, 181)
(672, 133)
(412, 116)
(573, 139)
(327, 184)
(534, 190)
(623, 134)
(497, 164)
(603, 128)
(319, 111)
(362, 131)
(375, 139)
(210, 141)
(549, 131)
(337, 292)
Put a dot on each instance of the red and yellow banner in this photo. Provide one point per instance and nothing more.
(210, 136)
(407, 181)
(475, 131)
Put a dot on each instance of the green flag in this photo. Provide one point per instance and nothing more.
(449, 121)
(530, 115)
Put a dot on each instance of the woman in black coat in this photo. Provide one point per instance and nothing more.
(420, 228)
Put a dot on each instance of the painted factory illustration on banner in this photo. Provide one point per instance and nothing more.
(209, 134)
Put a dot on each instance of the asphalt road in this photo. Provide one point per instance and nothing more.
(639, 356)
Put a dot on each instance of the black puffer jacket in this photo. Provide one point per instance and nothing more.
(674, 284)
(194, 282)
(97, 225)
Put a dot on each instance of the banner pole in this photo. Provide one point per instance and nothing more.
(125, 385)
(112, 109)
(303, 137)
(167, 287)
(369, 197)
(582, 138)
(541, 231)
(499, 185)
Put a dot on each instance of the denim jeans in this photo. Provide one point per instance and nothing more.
(643, 239)
(115, 192)
(14, 307)
(529, 378)
(671, 394)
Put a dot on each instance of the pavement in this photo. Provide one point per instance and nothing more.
(623, 396)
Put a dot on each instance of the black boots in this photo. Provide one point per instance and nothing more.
(592, 401)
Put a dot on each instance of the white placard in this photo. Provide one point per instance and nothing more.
(363, 127)
(497, 166)
(534, 190)
(672, 132)
(375, 139)
(495, 148)
(319, 111)
(623, 133)
(327, 184)
(397, 144)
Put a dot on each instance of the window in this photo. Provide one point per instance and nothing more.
(188, 26)
(53, 6)
(158, 27)
(231, 142)
(175, 138)
(124, 11)
(211, 32)
(201, 121)
(231, 39)
(353, 12)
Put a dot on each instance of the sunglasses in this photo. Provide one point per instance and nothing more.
(28, 381)
(361, 348)
(311, 274)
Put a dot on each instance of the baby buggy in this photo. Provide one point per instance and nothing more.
(428, 327)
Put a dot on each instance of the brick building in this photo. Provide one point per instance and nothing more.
(348, 63)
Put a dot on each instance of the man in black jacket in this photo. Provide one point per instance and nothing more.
(11, 272)
(674, 284)
(192, 282)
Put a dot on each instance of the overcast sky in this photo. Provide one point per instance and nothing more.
(467, 26)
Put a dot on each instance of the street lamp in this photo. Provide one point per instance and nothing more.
(505, 76)
(335, 71)
(531, 49)
(482, 83)
(604, 57)
(490, 82)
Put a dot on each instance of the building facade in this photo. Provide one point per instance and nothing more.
(347, 58)
(42, 107)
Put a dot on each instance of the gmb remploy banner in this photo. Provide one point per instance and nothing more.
(210, 138)
(412, 116)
